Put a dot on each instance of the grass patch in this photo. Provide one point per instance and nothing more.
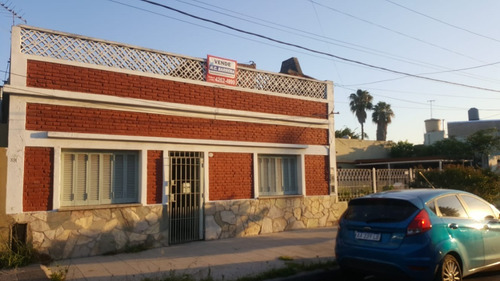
(58, 273)
(285, 258)
(16, 255)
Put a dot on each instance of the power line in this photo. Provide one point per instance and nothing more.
(430, 73)
(316, 51)
(305, 34)
(395, 31)
(323, 38)
(443, 22)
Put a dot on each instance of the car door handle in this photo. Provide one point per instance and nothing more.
(453, 226)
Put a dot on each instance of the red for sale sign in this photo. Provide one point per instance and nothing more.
(221, 71)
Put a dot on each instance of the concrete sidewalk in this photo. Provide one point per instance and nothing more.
(226, 259)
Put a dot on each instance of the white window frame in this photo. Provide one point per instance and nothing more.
(278, 175)
(99, 177)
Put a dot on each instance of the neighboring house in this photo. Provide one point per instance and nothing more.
(351, 151)
(368, 154)
(462, 129)
(112, 146)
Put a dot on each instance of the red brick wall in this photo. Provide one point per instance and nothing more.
(81, 79)
(231, 176)
(317, 181)
(43, 117)
(155, 176)
(38, 179)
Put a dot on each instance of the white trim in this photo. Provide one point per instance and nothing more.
(302, 174)
(57, 178)
(166, 179)
(206, 183)
(15, 156)
(143, 177)
(256, 175)
(64, 135)
(332, 155)
(18, 65)
(39, 139)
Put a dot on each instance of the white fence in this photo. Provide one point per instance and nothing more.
(70, 47)
(353, 183)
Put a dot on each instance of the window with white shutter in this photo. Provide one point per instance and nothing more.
(278, 175)
(97, 178)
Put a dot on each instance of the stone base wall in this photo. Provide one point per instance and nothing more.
(69, 234)
(81, 233)
(238, 218)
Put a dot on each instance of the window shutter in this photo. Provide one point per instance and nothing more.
(263, 184)
(280, 188)
(277, 175)
(94, 178)
(80, 182)
(290, 175)
(106, 176)
(131, 183)
(118, 175)
(68, 177)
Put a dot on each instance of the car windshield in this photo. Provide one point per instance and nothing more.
(379, 210)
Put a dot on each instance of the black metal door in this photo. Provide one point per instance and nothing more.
(185, 197)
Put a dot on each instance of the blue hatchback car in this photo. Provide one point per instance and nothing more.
(418, 234)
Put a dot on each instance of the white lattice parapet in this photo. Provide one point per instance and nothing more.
(64, 46)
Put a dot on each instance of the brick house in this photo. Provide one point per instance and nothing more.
(112, 146)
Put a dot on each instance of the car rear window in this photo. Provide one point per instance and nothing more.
(379, 210)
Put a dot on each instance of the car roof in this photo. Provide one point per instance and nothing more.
(416, 196)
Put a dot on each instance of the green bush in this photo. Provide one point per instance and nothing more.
(16, 255)
(481, 182)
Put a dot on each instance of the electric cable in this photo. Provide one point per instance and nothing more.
(395, 31)
(316, 51)
(442, 22)
(329, 40)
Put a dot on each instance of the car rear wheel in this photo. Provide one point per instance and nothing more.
(449, 270)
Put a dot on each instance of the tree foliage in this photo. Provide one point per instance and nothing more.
(474, 147)
(403, 149)
(483, 143)
(347, 132)
(481, 182)
(382, 116)
(361, 101)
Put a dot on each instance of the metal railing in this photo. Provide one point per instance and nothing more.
(353, 183)
(69, 47)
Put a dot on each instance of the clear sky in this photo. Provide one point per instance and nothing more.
(416, 56)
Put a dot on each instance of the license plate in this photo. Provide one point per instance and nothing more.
(370, 236)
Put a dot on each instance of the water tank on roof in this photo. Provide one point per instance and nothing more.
(473, 114)
(433, 125)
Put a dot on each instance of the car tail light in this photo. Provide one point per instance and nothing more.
(420, 224)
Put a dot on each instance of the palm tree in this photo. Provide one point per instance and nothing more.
(382, 116)
(360, 102)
